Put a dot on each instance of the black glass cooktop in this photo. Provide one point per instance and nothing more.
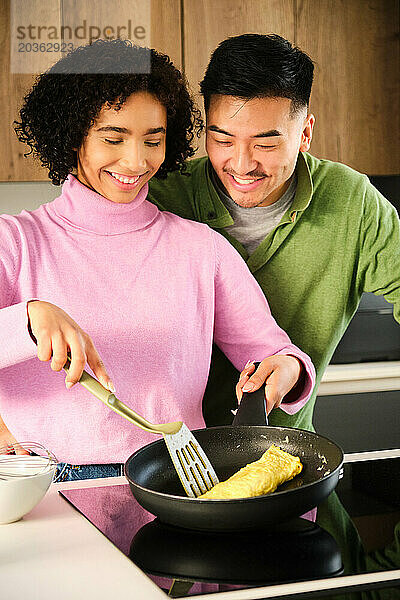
(189, 563)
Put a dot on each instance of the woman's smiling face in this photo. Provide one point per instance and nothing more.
(124, 148)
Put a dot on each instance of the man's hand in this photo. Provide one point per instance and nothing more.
(279, 372)
(56, 335)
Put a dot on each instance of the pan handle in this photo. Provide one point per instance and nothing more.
(252, 409)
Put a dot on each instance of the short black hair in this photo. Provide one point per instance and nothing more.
(259, 66)
(65, 101)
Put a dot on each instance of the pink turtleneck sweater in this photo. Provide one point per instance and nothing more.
(152, 290)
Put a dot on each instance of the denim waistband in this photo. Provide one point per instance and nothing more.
(69, 472)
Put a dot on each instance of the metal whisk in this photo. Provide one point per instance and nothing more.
(34, 460)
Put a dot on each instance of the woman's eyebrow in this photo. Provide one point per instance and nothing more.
(150, 131)
(113, 128)
(155, 130)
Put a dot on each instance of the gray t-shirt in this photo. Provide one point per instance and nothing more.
(252, 225)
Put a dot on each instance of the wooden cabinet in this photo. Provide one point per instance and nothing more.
(165, 36)
(355, 47)
(355, 96)
(354, 44)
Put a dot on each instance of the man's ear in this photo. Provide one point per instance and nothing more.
(307, 133)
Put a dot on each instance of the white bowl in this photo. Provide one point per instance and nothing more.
(24, 480)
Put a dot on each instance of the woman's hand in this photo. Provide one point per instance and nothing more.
(8, 443)
(56, 335)
(279, 372)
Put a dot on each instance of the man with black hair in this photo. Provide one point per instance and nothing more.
(314, 233)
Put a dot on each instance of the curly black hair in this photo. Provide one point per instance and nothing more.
(65, 101)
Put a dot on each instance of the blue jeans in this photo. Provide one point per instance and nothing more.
(67, 472)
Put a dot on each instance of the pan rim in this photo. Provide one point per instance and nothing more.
(238, 500)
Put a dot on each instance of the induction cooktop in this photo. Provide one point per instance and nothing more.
(186, 563)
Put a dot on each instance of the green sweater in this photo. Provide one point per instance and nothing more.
(340, 238)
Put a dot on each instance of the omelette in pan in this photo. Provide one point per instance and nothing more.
(258, 478)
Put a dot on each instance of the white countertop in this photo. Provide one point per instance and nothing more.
(54, 552)
(360, 377)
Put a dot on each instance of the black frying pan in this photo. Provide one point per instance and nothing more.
(156, 486)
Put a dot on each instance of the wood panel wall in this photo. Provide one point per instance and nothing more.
(356, 94)
(13, 87)
(165, 36)
(354, 43)
(355, 46)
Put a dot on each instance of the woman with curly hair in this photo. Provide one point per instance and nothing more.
(152, 290)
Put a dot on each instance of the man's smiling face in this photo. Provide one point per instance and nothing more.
(253, 146)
